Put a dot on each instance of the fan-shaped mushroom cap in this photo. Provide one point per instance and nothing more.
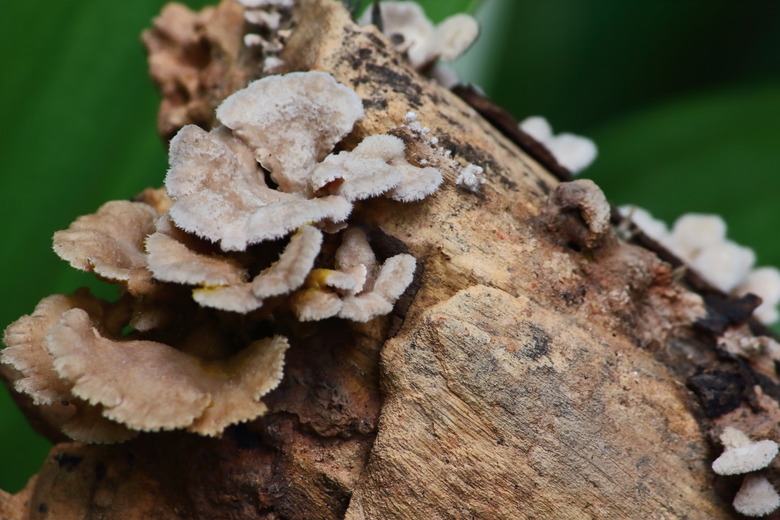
(220, 194)
(284, 276)
(151, 386)
(170, 260)
(291, 122)
(315, 304)
(110, 243)
(423, 42)
(756, 497)
(573, 152)
(693, 232)
(36, 377)
(295, 262)
(358, 290)
(394, 277)
(377, 165)
(724, 264)
(764, 282)
(25, 349)
(742, 455)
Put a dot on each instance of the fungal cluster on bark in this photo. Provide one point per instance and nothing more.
(236, 242)
(356, 298)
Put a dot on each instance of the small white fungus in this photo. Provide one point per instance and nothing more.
(470, 178)
(756, 497)
(573, 152)
(741, 454)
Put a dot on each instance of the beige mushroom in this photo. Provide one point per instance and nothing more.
(358, 289)
(376, 166)
(110, 243)
(282, 277)
(294, 264)
(219, 193)
(395, 275)
(35, 376)
(170, 259)
(424, 43)
(151, 386)
(25, 352)
(291, 122)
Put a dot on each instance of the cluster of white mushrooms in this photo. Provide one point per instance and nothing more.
(424, 44)
(239, 229)
(270, 25)
(741, 455)
(700, 241)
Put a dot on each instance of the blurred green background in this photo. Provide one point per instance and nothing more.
(681, 96)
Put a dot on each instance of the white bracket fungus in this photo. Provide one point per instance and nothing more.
(102, 385)
(756, 497)
(110, 243)
(171, 260)
(470, 178)
(376, 166)
(219, 193)
(742, 455)
(359, 289)
(284, 276)
(700, 241)
(573, 152)
(291, 122)
(763, 282)
(407, 26)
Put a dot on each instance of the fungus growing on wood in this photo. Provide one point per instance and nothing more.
(579, 202)
(756, 497)
(374, 167)
(741, 454)
(150, 386)
(291, 122)
(764, 282)
(33, 374)
(359, 289)
(219, 193)
(159, 360)
(282, 277)
(470, 178)
(171, 260)
(270, 22)
(412, 32)
(71, 351)
(573, 152)
(110, 243)
(700, 241)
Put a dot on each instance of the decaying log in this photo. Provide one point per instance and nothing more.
(539, 366)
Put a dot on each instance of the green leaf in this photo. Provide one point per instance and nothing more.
(711, 152)
(78, 114)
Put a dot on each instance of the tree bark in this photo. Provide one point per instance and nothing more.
(539, 368)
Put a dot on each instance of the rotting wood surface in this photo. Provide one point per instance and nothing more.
(523, 377)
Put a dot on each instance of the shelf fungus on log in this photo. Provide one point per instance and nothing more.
(235, 242)
(333, 327)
